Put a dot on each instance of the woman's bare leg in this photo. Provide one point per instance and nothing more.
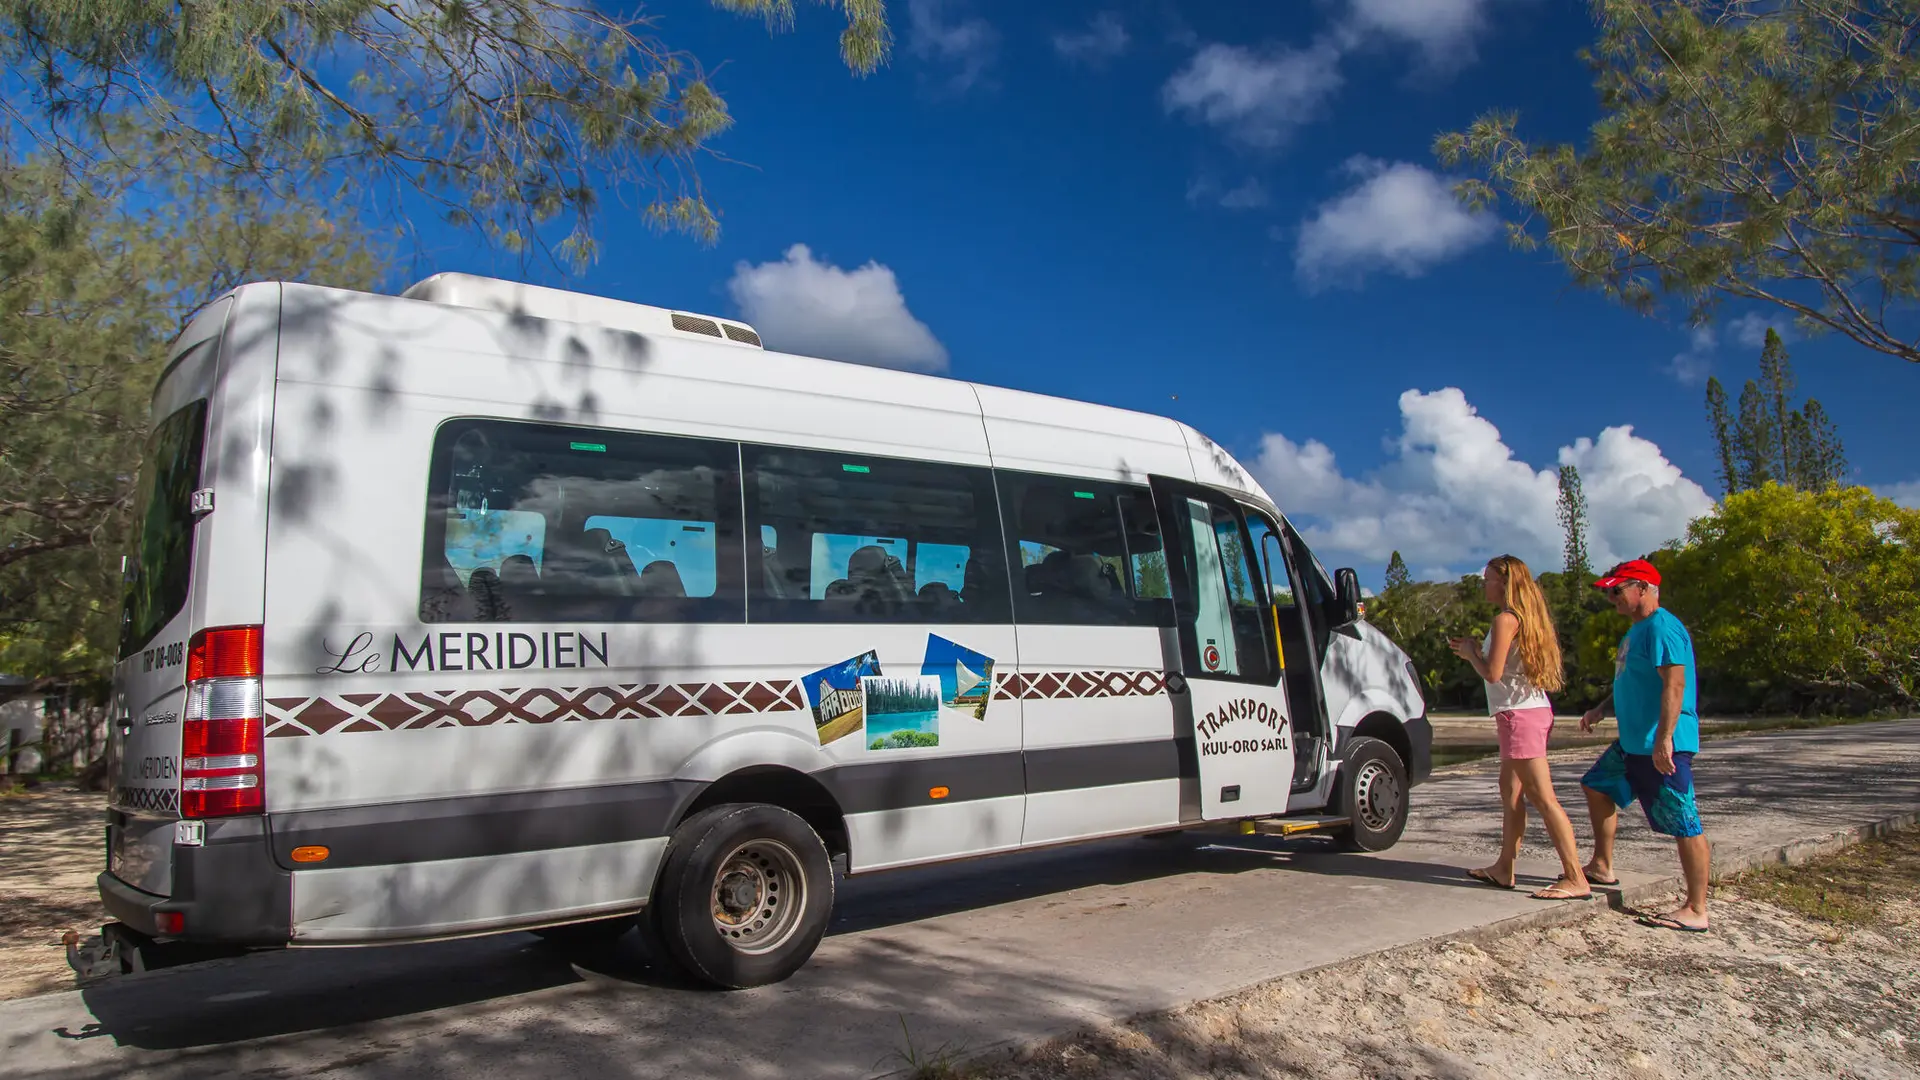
(1535, 779)
(1513, 824)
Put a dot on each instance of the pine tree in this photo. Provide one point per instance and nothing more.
(1722, 434)
(1822, 460)
(1397, 573)
(1573, 521)
(1754, 440)
(1776, 392)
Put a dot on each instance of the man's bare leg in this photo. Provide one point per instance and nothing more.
(1605, 817)
(1695, 855)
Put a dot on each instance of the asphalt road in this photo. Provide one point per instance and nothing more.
(962, 956)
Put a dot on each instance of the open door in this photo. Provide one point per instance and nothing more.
(1228, 652)
(1294, 616)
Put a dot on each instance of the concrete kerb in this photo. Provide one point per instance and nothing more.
(1561, 913)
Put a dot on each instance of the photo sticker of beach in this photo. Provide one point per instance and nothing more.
(902, 713)
(966, 677)
(834, 694)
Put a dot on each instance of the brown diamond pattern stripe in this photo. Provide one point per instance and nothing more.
(354, 713)
(1056, 685)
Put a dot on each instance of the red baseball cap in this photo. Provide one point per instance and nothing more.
(1631, 570)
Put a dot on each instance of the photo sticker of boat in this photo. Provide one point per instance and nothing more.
(901, 713)
(834, 695)
(966, 677)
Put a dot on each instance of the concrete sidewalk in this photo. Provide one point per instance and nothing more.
(971, 955)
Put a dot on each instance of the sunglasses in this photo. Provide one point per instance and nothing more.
(1617, 589)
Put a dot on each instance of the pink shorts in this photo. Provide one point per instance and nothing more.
(1523, 732)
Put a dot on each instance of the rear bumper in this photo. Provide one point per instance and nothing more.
(229, 891)
(1420, 743)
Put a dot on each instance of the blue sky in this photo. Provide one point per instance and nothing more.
(1229, 214)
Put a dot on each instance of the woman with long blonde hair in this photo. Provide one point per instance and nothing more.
(1520, 663)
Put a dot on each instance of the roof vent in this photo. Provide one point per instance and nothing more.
(472, 291)
(694, 324)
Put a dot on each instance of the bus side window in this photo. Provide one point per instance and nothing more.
(535, 522)
(850, 538)
(1084, 552)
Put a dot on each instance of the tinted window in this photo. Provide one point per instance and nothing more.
(1086, 552)
(1231, 624)
(1315, 585)
(845, 538)
(161, 565)
(530, 523)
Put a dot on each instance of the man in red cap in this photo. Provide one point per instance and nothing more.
(1652, 759)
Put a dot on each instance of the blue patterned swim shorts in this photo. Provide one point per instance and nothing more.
(1666, 800)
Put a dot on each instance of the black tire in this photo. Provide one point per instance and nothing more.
(1371, 791)
(725, 905)
(591, 932)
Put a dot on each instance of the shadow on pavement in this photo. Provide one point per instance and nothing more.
(295, 991)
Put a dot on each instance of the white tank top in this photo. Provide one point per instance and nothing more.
(1514, 690)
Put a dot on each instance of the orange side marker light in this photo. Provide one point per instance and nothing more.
(310, 853)
(937, 793)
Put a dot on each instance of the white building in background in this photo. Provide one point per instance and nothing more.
(21, 721)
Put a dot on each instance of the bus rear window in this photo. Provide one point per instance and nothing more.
(160, 566)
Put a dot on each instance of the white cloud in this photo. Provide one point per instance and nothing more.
(1443, 30)
(1104, 39)
(1400, 217)
(1256, 98)
(802, 305)
(1251, 195)
(1692, 366)
(1751, 329)
(1906, 494)
(966, 43)
(1453, 495)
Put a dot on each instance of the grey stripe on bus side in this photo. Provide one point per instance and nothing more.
(1067, 768)
(476, 825)
(480, 825)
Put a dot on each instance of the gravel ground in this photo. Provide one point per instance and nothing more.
(1809, 972)
(51, 849)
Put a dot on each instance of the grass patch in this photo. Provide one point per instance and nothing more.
(1849, 889)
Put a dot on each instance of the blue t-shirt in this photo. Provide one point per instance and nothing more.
(1654, 642)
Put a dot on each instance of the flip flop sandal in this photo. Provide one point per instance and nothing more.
(1553, 892)
(1487, 879)
(1661, 922)
(1605, 883)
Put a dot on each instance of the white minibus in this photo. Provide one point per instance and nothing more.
(488, 607)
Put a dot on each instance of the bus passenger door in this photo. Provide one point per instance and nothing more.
(1228, 652)
(1295, 617)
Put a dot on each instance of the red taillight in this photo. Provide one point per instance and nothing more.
(231, 652)
(222, 737)
(170, 923)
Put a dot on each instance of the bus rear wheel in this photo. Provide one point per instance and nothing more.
(744, 895)
(1372, 794)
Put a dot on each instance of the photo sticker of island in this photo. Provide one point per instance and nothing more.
(902, 713)
(834, 694)
(966, 677)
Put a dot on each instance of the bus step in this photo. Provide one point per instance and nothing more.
(1292, 826)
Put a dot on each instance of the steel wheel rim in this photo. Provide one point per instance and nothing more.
(1376, 796)
(759, 894)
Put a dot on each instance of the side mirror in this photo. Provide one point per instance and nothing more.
(1346, 598)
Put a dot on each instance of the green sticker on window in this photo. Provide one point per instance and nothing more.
(856, 468)
(594, 447)
(1083, 495)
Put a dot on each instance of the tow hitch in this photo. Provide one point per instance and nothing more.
(103, 955)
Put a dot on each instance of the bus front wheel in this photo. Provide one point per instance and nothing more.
(744, 895)
(1373, 795)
